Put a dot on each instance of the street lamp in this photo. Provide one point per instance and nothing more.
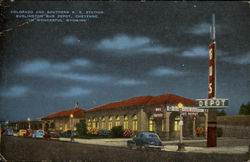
(180, 145)
(28, 121)
(71, 134)
(7, 124)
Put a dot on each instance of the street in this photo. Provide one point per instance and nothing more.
(28, 149)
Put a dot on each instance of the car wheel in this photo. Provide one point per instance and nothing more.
(142, 148)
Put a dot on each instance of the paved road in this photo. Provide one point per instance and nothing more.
(28, 149)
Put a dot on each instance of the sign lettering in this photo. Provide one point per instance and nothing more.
(211, 78)
(212, 103)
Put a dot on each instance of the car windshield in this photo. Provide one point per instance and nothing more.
(153, 136)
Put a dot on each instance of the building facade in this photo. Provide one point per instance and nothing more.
(63, 120)
(140, 114)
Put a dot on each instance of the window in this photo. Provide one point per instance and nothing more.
(97, 124)
(94, 123)
(110, 123)
(176, 123)
(103, 123)
(151, 123)
(89, 124)
(134, 122)
(125, 122)
(65, 127)
(52, 125)
(117, 121)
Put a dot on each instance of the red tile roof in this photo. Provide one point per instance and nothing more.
(146, 100)
(170, 99)
(77, 112)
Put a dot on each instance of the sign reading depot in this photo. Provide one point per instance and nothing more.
(212, 103)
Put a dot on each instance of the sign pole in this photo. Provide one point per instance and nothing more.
(211, 131)
(180, 145)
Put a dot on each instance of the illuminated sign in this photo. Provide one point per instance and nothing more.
(211, 77)
(186, 109)
(212, 103)
(158, 113)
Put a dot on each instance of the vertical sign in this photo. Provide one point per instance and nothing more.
(211, 129)
(211, 77)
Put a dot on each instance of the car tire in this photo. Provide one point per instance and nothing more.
(142, 148)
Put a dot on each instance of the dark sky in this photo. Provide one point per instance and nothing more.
(133, 49)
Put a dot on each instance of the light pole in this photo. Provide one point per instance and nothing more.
(71, 134)
(29, 122)
(180, 145)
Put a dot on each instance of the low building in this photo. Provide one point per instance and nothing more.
(147, 113)
(27, 124)
(64, 120)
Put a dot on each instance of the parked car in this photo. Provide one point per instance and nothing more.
(145, 140)
(51, 135)
(67, 133)
(2, 131)
(38, 134)
(29, 133)
(21, 132)
(9, 132)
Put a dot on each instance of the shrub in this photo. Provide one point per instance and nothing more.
(117, 131)
(81, 128)
(93, 131)
(128, 133)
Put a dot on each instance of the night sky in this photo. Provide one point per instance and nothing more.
(133, 49)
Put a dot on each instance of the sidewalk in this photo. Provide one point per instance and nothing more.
(225, 150)
(169, 145)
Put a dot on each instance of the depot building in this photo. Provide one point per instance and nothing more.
(159, 114)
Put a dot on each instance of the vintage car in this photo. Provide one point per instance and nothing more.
(38, 134)
(9, 132)
(145, 141)
(51, 135)
(29, 133)
(22, 132)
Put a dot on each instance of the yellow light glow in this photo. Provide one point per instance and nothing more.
(180, 105)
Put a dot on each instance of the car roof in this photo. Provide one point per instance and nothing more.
(147, 133)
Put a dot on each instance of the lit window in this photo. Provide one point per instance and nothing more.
(103, 123)
(89, 124)
(162, 125)
(134, 122)
(125, 122)
(110, 123)
(65, 127)
(97, 124)
(151, 123)
(94, 123)
(117, 121)
(176, 123)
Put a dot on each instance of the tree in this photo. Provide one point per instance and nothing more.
(221, 113)
(245, 109)
(81, 128)
(117, 131)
